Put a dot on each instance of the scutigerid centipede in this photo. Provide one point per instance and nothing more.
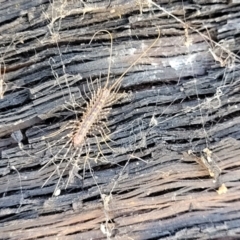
(92, 122)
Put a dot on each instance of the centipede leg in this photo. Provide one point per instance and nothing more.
(50, 176)
(75, 168)
(52, 159)
(114, 98)
(103, 135)
(84, 164)
(57, 166)
(99, 148)
(64, 170)
(74, 110)
(62, 129)
(106, 127)
(92, 92)
(89, 99)
(73, 173)
(100, 129)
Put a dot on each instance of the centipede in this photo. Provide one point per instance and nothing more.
(92, 122)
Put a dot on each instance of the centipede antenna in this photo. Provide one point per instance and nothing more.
(109, 66)
(141, 55)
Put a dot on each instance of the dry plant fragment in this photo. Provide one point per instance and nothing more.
(93, 122)
(108, 227)
(210, 163)
(226, 59)
(222, 189)
(60, 9)
(207, 162)
(106, 200)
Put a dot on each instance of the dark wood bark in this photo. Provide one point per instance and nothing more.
(180, 98)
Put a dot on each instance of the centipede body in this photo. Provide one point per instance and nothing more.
(93, 115)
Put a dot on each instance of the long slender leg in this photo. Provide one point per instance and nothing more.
(99, 148)
(85, 161)
(103, 114)
(100, 128)
(57, 167)
(113, 99)
(49, 136)
(102, 135)
(63, 171)
(78, 105)
(64, 127)
(92, 83)
(73, 172)
(106, 127)
(92, 92)
(52, 159)
(74, 110)
(89, 99)
(99, 82)
(90, 169)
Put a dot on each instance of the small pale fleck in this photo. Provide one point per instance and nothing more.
(57, 192)
(190, 152)
(153, 121)
(106, 229)
(222, 189)
(207, 151)
(103, 229)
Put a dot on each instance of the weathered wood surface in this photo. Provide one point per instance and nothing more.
(179, 97)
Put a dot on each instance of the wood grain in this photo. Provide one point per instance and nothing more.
(180, 97)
